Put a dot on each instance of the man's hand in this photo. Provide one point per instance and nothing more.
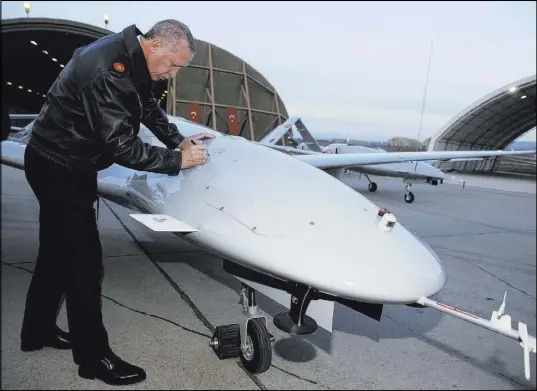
(193, 154)
(187, 142)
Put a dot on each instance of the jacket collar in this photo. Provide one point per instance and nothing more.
(140, 72)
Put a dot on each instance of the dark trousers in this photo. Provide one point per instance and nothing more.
(69, 263)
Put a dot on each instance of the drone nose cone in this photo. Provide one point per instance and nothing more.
(386, 266)
(357, 257)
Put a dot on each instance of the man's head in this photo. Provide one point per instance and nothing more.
(167, 47)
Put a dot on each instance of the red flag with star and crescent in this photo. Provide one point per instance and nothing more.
(232, 121)
(193, 112)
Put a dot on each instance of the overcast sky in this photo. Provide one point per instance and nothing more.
(350, 69)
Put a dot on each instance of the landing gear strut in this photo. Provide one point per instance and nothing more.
(249, 340)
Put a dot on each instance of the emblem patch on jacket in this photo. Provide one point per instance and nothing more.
(119, 67)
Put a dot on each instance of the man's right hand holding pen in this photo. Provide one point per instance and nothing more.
(193, 151)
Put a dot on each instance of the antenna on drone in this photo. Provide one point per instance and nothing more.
(424, 95)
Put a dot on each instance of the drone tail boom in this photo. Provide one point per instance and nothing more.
(499, 322)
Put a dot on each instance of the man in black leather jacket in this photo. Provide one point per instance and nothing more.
(90, 121)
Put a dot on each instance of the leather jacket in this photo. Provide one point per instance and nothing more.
(92, 114)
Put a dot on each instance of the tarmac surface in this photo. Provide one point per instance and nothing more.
(162, 297)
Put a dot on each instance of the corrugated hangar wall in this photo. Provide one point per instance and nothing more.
(225, 93)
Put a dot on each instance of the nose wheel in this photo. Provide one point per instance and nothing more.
(409, 196)
(257, 353)
(249, 340)
(372, 187)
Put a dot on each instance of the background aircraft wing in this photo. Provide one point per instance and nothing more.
(290, 150)
(325, 161)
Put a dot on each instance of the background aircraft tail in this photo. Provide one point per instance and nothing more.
(308, 140)
(279, 131)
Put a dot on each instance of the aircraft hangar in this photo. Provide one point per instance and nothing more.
(218, 89)
(492, 122)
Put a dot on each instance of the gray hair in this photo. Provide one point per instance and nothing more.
(172, 31)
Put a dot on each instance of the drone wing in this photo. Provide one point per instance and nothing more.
(327, 161)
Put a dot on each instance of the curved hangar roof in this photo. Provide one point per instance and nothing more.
(212, 90)
(493, 121)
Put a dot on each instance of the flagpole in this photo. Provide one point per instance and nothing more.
(425, 94)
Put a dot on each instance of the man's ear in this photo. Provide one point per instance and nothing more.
(156, 44)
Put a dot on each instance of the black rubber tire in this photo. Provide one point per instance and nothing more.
(262, 357)
(372, 187)
(228, 337)
(409, 198)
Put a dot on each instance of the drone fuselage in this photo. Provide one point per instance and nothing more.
(275, 214)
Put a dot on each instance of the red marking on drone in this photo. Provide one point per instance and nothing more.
(457, 310)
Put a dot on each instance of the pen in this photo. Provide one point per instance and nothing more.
(193, 142)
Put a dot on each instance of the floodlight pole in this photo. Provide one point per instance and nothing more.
(424, 95)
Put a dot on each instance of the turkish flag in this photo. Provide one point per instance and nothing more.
(232, 121)
(193, 112)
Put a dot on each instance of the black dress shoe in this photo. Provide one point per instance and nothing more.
(59, 340)
(112, 370)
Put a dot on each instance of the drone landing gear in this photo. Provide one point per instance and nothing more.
(248, 340)
(409, 196)
(372, 187)
(296, 321)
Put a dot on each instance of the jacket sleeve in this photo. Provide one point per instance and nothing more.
(157, 122)
(111, 105)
